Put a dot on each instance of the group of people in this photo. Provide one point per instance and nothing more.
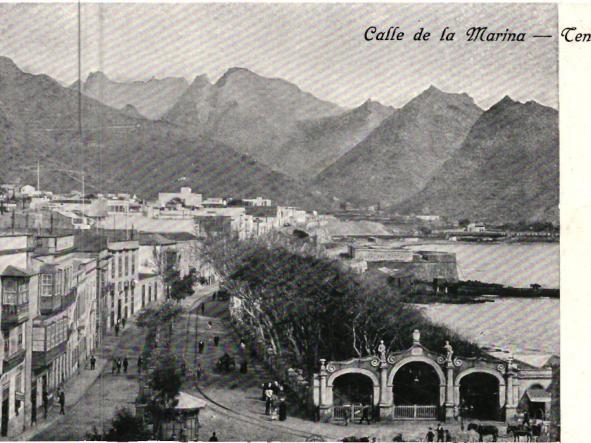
(118, 364)
(440, 433)
(274, 397)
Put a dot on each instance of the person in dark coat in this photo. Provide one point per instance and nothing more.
(45, 400)
(213, 437)
(118, 366)
(117, 330)
(123, 321)
(114, 366)
(139, 364)
(440, 432)
(62, 401)
(201, 346)
(125, 365)
(92, 362)
(282, 410)
(203, 308)
(199, 371)
(430, 435)
(447, 435)
(365, 415)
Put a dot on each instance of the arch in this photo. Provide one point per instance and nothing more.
(494, 373)
(413, 359)
(366, 372)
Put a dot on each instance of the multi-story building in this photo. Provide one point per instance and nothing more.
(18, 290)
(123, 274)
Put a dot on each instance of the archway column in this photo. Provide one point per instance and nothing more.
(325, 397)
(449, 391)
(386, 394)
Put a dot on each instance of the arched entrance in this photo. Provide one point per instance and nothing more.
(479, 396)
(418, 388)
(416, 383)
(352, 388)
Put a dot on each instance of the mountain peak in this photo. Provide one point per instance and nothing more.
(97, 76)
(7, 65)
(201, 80)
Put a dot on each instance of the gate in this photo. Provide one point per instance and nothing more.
(414, 412)
(351, 413)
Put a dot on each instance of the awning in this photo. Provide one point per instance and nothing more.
(188, 402)
(538, 395)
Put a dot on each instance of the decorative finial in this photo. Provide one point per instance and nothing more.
(322, 364)
(416, 337)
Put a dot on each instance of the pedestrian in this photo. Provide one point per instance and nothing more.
(117, 330)
(45, 400)
(268, 399)
(201, 346)
(62, 401)
(275, 387)
(123, 321)
(365, 415)
(139, 364)
(282, 410)
(114, 366)
(216, 340)
(430, 435)
(398, 437)
(440, 432)
(125, 364)
(92, 362)
(203, 308)
(213, 437)
(448, 435)
(118, 366)
(199, 371)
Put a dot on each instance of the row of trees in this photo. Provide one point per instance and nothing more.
(306, 307)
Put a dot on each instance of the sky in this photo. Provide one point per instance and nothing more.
(319, 47)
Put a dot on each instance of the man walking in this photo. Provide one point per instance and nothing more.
(92, 362)
(62, 401)
(440, 433)
(268, 399)
(125, 365)
(117, 329)
(365, 415)
(430, 435)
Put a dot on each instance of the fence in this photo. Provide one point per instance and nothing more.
(350, 413)
(414, 412)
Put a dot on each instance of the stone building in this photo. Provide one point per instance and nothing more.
(418, 383)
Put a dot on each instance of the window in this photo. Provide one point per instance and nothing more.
(149, 294)
(112, 262)
(6, 343)
(155, 290)
(60, 282)
(126, 263)
(120, 267)
(21, 337)
(46, 285)
(133, 263)
(16, 291)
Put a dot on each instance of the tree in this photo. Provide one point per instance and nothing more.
(164, 382)
(125, 426)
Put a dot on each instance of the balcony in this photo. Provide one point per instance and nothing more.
(57, 303)
(14, 315)
(13, 360)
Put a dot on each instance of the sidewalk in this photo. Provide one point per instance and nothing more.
(75, 388)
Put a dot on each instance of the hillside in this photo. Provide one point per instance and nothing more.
(506, 170)
(151, 98)
(318, 143)
(398, 158)
(39, 120)
(253, 114)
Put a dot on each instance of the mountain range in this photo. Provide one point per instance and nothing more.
(506, 169)
(41, 120)
(400, 155)
(246, 134)
(150, 98)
